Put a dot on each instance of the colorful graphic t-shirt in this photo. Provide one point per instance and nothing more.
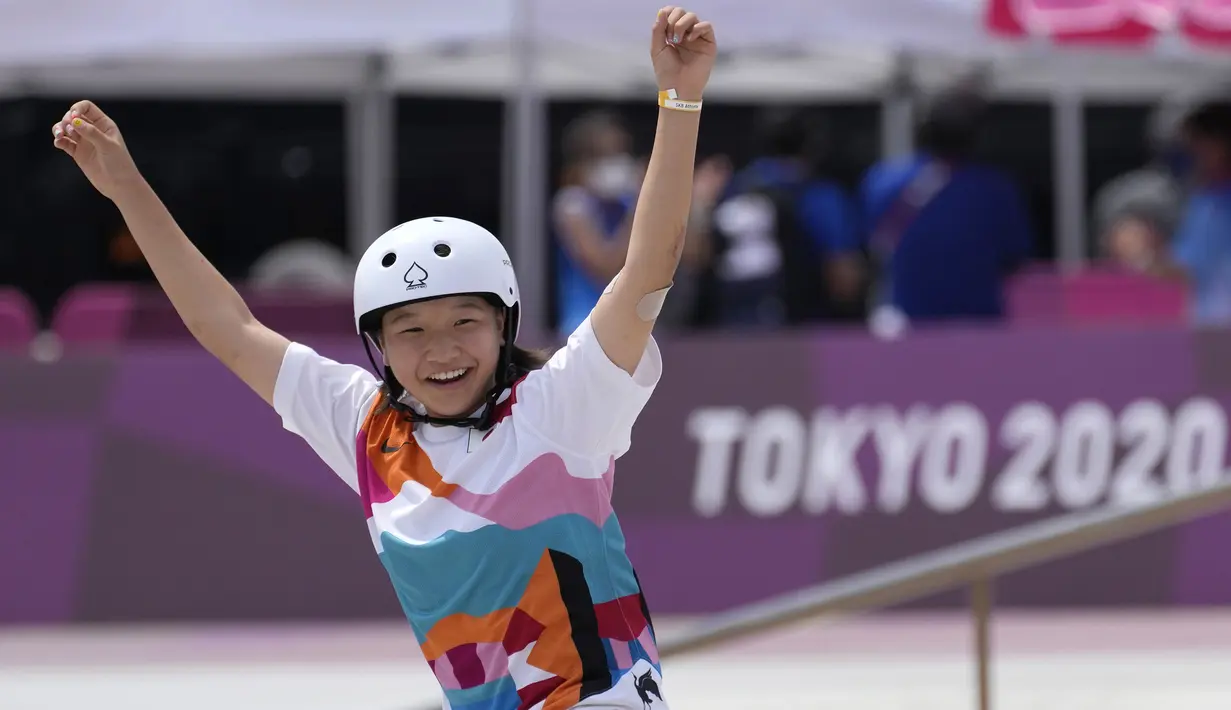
(502, 545)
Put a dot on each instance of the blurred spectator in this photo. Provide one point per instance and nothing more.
(1201, 251)
(784, 236)
(684, 305)
(946, 230)
(304, 265)
(1136, 213)
(592, 213)
(1133, 242)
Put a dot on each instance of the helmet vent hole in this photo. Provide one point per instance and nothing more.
(442, 250)
(437, 219)
(510, 291)
(388, 260)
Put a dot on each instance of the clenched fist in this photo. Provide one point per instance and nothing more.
(95, 144)
(683, 49)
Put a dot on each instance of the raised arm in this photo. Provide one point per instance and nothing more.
(683, 51)
(211, 308)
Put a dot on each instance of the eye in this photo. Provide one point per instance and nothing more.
(464, 321)
(415, 329)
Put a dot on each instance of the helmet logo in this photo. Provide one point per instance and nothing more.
(416, 277)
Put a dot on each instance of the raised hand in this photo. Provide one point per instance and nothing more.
(95, 144)
(683, 49)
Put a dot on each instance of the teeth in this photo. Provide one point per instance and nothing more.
(445, 376)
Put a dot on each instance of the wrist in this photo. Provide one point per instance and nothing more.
(674, 100)
(128, 189)
(685, 91)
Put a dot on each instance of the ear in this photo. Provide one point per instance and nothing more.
(500, 320)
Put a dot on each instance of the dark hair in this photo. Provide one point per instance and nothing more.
(790, 132)
(527, 360)
(951, 123)
(1211, 120)
(782, 132)
(577, 144)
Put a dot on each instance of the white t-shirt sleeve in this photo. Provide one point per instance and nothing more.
(583, 402)
(324, 402)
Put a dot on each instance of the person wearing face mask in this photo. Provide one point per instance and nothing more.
(592, 213)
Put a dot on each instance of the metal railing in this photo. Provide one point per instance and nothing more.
(975, 563)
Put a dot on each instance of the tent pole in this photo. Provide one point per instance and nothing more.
(1069, 178)
(370, 156)
(897, 111)
(525, 177)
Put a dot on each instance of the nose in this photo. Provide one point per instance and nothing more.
(441, 349)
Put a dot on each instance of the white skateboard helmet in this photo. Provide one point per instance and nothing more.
(429, 258)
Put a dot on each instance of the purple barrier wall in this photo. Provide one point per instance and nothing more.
(153, 485)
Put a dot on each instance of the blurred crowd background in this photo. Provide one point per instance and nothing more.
(953, 267)
(799, 215)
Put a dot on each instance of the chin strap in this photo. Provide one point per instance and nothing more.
(486, 418)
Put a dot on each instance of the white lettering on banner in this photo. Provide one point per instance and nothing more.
(1199, 440)
(954, 459)
(1029, 431)
(772, 466)
(833, 476)
(898, 443)
(716, 430)
(776, 460)
(1145, 429)
(1081, 467)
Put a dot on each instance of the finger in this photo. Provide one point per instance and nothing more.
(684, 25)
(58, 127)
(673, 17)
(659, 32)
(660, 20)
(66, 145)
(79, 130)
(702, 31)
(92, 113)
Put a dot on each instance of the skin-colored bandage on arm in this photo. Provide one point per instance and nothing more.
(650, 304)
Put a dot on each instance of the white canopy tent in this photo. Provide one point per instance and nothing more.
(782, 49)
(366, 51)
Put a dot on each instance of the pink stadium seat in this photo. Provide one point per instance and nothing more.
(303, 314)
(1093, 296)
(1035, 295)
(1108, 296)
(92, 314)
(105, 315)
(18, 319)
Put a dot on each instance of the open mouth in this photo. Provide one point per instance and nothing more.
(448, 378)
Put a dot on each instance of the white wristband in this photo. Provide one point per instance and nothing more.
(670, 99)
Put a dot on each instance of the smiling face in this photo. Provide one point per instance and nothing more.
(445, 351)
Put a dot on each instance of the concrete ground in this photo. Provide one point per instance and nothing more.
(1044, 660)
